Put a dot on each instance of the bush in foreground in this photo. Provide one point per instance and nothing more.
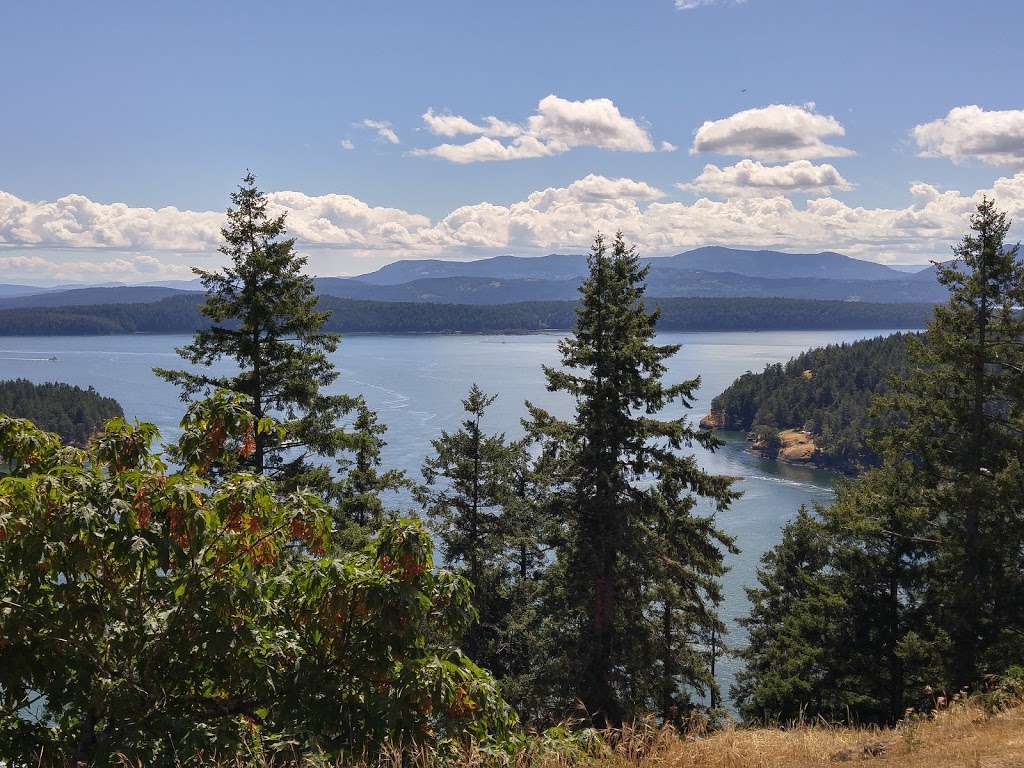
(155, 617)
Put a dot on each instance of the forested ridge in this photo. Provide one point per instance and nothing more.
(180, 314)
(75, 414)
(826, 392)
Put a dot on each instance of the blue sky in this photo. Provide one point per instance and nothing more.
(469, 129)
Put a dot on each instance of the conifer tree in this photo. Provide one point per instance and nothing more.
(791, 667)
(360, 508)
(836, 624)
(925, 554)
(467, 485)
(525, 527)
(264, 321)
(628, 542)
(963, 428)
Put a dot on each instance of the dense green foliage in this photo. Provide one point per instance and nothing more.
(75, 414)
(785, 674)
(962, 428)
(837, 626)
(479, 499)
(914, 576)
(632, 591)
(180, 314)
(275, 339)
(148, 618)
(826, 392)
(357, 488)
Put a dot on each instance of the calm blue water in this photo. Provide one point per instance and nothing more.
(416, 382)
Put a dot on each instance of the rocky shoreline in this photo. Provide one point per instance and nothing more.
(796, 447)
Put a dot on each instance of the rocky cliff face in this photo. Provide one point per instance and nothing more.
(797, 447)
(714, 420)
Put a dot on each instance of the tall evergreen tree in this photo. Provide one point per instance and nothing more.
(630, 550)
(467, 485)
(525, 528)
(963, 428)
(836, 625)
(925, 554)
(360, 508)
(791, 667)
(481, 497)
(878, 529)
(264, 319)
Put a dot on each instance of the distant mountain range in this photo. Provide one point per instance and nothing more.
(712, 272)
(123, 294)
(767, 264)
(8, 290)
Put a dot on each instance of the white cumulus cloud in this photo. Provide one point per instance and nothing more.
(455, 125)
(476, 226)
(347, 144)
(558, 126)
(776, 133)
(593, 122)
(75, 221)
(383, 129)
(749, 178)
(485, 148)
(994, 137)
(343, 220)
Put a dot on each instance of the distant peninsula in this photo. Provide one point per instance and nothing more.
(75, 414)
(814, 410)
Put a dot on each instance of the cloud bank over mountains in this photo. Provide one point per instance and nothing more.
(138, 244)
(774, 196)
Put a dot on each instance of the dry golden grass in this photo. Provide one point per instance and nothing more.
(962, 736)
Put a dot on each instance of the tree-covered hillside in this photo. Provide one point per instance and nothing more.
(825, 392)
(75, 414)
(180, 314)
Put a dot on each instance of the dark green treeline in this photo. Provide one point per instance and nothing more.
(75, 414)
(181, 314)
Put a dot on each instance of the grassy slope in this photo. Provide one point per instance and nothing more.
(965, 734)
(962, 735)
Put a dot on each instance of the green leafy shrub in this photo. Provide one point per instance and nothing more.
(154, 616)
